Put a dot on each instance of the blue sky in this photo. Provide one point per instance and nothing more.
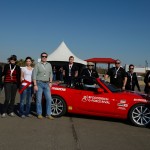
(90, 28)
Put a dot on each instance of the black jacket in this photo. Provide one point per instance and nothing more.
(89, 73)
(18, 73)
(73, 70)
(132, 81)
(68, 79)
(117, 76)
(147, 80)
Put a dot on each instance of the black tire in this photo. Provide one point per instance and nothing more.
(58, 106)
(139, 115)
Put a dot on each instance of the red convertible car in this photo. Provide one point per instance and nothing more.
(90, 96)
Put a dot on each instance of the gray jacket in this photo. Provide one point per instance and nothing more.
(42, 72)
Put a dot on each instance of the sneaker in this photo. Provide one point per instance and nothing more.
(29, 115)
(50, 117)
(23, 116)
(3, 115)
(12, 114)
(40, 116)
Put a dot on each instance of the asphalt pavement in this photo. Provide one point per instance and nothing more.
(70, 132)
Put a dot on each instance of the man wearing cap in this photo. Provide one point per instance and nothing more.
(11, 73)
(89, 71)
(118, 76)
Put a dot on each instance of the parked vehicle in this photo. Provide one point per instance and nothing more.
(90, 96)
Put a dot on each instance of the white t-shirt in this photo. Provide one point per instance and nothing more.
(27, 74)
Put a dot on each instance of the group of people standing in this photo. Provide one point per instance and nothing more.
(126, 80)
(39, 79)
(118, 76)
(28, 81)
(71, 71)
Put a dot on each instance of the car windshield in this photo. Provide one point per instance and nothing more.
(110, 86)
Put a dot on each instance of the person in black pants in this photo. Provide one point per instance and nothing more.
(147, 83)
(132, 80)
(70, 71)
(11, 74)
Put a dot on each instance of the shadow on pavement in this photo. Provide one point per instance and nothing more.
(126, 122)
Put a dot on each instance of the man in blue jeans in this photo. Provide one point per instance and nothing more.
(42, 78)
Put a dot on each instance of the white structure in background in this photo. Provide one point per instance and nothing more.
(62, 53)
(139, 70)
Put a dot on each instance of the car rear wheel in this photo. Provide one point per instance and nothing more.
(58, 106)
(140, 115)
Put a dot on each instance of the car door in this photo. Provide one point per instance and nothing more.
(94, 101)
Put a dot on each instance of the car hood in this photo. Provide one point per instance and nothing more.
(136, 96)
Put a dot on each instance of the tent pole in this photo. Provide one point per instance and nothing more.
(108, 65)
(95, 66)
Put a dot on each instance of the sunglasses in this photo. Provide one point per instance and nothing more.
(44, 56)
(117, 63)
(131, 68)
(90, 65)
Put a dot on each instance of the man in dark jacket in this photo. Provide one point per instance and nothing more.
(147, 83)
(89, 71)
(117, 75)
(132, 80)
(70, 71)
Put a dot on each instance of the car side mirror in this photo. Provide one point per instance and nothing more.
(100, 90)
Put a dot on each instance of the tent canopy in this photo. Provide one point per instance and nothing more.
(62, 53)
(101, 60)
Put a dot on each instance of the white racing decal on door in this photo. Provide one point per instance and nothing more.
(58, 89)
(95, 99)
(122, 104)
(140, 100)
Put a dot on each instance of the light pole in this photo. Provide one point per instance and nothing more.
(146, 65)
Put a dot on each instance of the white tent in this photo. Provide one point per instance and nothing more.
(62, 53)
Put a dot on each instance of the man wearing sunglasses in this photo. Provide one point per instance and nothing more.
(117, 75)
(42, 78)
(132, 80)
(89, 71)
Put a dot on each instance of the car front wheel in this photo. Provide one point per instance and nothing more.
(58, 106)
(140, 115)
